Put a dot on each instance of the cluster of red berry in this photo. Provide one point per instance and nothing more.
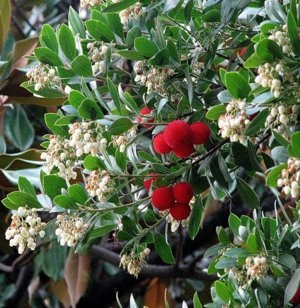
(180, 137)
(175, 198)
(144, 117)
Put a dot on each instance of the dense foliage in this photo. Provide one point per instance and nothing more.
(167, 106)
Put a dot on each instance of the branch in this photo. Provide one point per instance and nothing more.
(151, 270)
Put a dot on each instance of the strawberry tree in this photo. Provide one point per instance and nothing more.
(168, 106)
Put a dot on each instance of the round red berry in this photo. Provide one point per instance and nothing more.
(162, 198)
(180, 211)
(145, 121)
(296, 297)
(152, 177)
(183, 192)
(159, 144)
(178, 134)
(184, 151)
(200, 132)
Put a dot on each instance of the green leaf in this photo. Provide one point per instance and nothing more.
(196, 301)
(161, 58)
(247, 194)
(195, 218)
(99, 30)
(22, 199)
(53, 185)
(223, 291)
(93, 163)
(48, 38)
(163, 248)
(100, 231)
(10, 205)
(119, 6)
(77, 194)
(114, 94)
(18, 128)
(67, 42)
(280, 139)
(268, 50)
(75, 23)
(44, 92)
(215, 112)
(237, 85)
(82, 66)
(219, 171)
(115, 24)
(234, 223)
(292, 287)
(89, 109)
(131, 55)
(76, 98)
(173, 49)
(65, 120)
(296, 143)
(25, 186)
(50, 120)
(145, 47)
(132, 34)
(274, 175)
(253, 61)
(47, 56)
(293, 32)
(120, 126)
(257, 123)
(64, 202)
(251, 243)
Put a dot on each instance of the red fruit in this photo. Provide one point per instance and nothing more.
(145, 121)
(296, 297)
(159, 144)
(183, 192)
(152, 177)
(200, 132)
(180, 211)
(242, 51)
(184, 151)
(178, 134)
(162, 198)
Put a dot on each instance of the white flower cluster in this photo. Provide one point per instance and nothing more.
(281, 117)
(134, 263)
(25, 226)
(270, 75)
(97, 53)
(62, 155)
(123, 140)
(133, 12)
(197, 68)
(70, 229)
(175, 223)
(290, 178)
(99, 183)
(88, 3)
(154, 79)
(43, 76)
(235, 121)
(282, 39)
(86, 138)
(257, 268)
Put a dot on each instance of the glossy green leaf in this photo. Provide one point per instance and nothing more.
(274, 175)
(100, 231)
(93, 163)
(64, 202)
(145, 47)
(48, 38)
(268, 50)
(215, 112)
(119, 6)
(50, 120)
(292, 287)
(89, 109)
(99, 30)
(47, 56)
(237, 85)
(223, 291)
(67, 42)
(25, 186)
(114, 94)
(18, 128)
(247, 194)
(82, 66)
(23, 199)
(195, 218)
(163, 248)
(78, 194)
(75, 23)
(253, 61)
(296, 143)
(53, 185)
(120, 126)
(257, 123)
